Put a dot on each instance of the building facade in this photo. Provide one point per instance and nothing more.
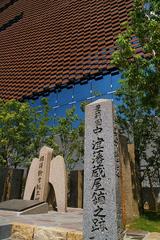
(60, 49)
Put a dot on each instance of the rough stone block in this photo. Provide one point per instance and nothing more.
(74, 236)
(22, 231)
(44, 233)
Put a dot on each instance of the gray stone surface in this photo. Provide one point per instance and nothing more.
(71, 219)
(18, 204)
(5, 231)
(38, 209)
(101, 174)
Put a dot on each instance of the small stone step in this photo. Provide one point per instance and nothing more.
(135, 235)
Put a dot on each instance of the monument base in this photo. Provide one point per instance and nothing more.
(21, 207)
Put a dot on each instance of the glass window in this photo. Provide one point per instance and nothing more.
(80, 114)
(115, 81)
(109, 96)
(102, 86)
(52, 99)
(61, 111)
(35, 103)
(90, 91)
(78, 111)
(82, 91)
(65, 96)
(54, 114)
(51, 115)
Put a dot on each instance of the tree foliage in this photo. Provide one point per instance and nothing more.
(138, 113)
(141, 65)
(23, 131)
(67, 139)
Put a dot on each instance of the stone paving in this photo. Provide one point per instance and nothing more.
(71, 219)
(54, 222)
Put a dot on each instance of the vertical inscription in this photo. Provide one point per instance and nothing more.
(43, 171)
(101, 173)
(98, 173)
(39, 185)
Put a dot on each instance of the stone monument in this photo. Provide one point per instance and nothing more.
(45, 171)
(102, 198)
(58, 179)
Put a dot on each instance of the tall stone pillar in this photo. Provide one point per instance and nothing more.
(102, 198)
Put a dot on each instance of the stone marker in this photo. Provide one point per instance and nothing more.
(43, 171)
(42, 188)
(21, 207)
(31, 179)
(58, 180)
(102, 201)
(38, 176)
(18, 205)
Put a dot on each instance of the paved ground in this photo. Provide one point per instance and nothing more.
(70, 220)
